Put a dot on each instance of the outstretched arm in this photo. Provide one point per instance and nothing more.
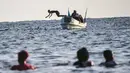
(48, 16)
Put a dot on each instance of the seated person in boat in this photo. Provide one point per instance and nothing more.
(109, 59)
(83, 56)
(22, 56)
(56, 12)
(76, 16)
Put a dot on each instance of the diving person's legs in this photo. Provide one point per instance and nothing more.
(58, 14)
(62, 16)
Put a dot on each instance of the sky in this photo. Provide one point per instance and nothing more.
(20, 10)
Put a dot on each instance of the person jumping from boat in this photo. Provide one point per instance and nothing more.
(56, 12)
(77, 16)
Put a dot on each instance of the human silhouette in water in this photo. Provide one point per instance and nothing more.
(109, 59)
(22, 57)
(54, 11)
(83, 56)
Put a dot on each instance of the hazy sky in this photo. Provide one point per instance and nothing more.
(13, 10)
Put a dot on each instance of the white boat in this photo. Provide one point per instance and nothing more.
(71, 23)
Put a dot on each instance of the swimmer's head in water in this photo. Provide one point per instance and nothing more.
(82, 54)
(108, 55)
(22, 56)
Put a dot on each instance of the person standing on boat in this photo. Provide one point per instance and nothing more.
(56, 12)
(77, 16)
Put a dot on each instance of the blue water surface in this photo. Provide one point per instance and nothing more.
(53, 49)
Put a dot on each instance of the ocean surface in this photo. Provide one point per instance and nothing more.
(53, 49)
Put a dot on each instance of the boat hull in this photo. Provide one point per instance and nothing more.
(71, 23)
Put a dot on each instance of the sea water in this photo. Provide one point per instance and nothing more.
(53, 49)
